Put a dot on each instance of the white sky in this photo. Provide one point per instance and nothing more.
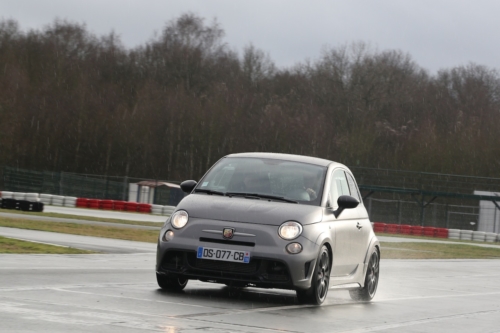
(438, 34)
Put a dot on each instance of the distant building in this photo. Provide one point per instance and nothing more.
(489, 214)
(155, 192)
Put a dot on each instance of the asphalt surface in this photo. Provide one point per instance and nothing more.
(97, 244)
(117, 291)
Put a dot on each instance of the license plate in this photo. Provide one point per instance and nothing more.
(222, 254)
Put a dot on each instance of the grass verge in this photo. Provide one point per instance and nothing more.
(402, 250)
(8, 245)
(458, 241)
(82, 229)
(452, 250)
(86, 218)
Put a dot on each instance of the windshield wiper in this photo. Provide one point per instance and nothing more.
(201, 190)
(259, 196)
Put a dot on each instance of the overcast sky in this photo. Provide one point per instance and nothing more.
(438, 34)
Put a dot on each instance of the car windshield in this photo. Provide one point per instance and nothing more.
(266, 179)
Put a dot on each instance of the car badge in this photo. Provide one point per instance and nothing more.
(228, 233)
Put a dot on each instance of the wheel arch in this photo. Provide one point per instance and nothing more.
(324, 239)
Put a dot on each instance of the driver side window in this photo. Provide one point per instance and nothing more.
(338, 187)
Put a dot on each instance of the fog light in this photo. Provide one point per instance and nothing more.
(168, 236)
(294, 248)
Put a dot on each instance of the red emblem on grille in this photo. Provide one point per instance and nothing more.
(228, 233)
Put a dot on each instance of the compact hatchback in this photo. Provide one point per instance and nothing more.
(272, 221)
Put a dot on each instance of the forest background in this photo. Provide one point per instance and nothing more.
(72, 101)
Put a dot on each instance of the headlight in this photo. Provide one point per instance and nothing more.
(179, 219)
(290, 230)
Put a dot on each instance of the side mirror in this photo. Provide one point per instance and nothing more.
(187, 186)
(345, 202)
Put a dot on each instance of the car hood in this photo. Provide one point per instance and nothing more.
(239, 209)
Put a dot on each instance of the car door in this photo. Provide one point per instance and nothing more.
(361, 233)
(344, 260)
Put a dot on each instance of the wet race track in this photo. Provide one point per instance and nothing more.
(118, 292)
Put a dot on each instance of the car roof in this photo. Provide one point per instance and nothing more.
(288, 157)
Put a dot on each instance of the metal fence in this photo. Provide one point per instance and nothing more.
(437, 182)
(384, 207)
(77, 185)
(442, 215)
(454, 213)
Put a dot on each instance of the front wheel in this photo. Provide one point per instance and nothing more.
(371, 280)
(172, 284)
(316, 294)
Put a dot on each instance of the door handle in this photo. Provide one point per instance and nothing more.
(359, 226)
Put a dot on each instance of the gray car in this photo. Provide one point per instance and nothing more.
(272, 221)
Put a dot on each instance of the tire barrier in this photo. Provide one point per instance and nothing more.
(377, 226)
(392, 228)
(491, 237)
(478, 236)
(106, 204)
(57, 200)
(36, 202)
(429, 231)
(7, 195)
(24, 205)
(441, 233)
(406, 229)
(466, 235)
(168, 210)
(120, 205)
(8, 203)
(19, 195)
(46, 198)
(131, 206)
(70, 201)
(454, 233)
(156, 209)
(93, 203)
(33, 197)
(144, 208)
(416, 230)
(82, 202)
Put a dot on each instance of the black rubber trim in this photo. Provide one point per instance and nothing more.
(224, 241)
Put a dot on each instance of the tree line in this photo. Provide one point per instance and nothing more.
(168, 109)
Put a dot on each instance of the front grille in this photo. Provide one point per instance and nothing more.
(259, 271)
(280, 277)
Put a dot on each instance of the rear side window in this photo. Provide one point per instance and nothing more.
(352, 187)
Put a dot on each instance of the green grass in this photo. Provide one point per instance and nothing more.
(458, 241)
(86, 218)
(82, 229)
(402, 250)
(452, 250)
(8, 245)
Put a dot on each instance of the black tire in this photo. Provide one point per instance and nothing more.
(171, 284)
(320, 283)
(371, 280)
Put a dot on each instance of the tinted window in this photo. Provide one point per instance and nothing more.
(293, 180)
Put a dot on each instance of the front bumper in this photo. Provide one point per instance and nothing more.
(270, 266)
